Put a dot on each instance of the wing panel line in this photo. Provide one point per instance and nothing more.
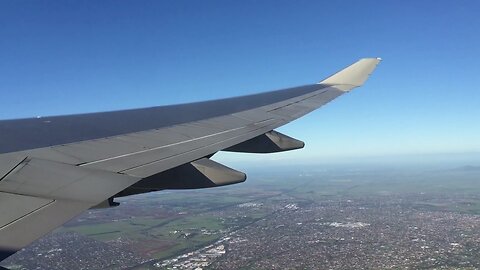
(29, 213)
(170, 145)
(201, 147)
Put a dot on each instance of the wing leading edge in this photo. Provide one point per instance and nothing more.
(54, 168)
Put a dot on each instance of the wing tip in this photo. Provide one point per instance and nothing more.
(354, 75)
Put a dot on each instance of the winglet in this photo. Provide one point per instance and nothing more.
(355, 74)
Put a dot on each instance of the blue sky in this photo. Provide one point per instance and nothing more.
(64, 57)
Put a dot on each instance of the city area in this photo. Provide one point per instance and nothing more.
(298, 219)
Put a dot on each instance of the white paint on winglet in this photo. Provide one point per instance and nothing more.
(355, 74)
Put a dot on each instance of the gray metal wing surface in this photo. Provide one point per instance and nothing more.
(54, 168)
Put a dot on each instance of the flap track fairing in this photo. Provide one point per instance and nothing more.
(270, 142)
(202, 173)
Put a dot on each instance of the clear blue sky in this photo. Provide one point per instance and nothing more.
(64, 57)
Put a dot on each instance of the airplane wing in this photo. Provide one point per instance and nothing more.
(54, 168)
